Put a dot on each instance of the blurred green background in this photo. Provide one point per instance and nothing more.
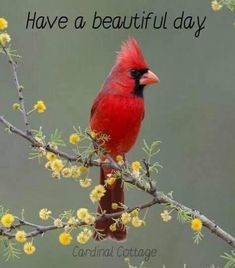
(192, 111)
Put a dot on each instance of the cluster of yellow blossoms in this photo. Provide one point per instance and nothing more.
(126, 218)
(39, 106)
(85, 216)
(4, 36)
(84, 236)
(59, 169)
(7, 221)
(65, 238)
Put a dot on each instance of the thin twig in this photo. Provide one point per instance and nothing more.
(19, 90)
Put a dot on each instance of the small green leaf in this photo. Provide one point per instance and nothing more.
(56, 139)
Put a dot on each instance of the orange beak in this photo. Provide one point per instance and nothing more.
(149, 78)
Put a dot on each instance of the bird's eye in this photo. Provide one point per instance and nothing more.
(135, 73)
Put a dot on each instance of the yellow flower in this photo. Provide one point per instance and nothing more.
(82, 213)
(89, 219)
(136, 166)
(66, 172)
(51, 156)
(74, 138)
(58, 223)
(3, 23)
(110, 181)
(83, 169)
(135, 213)
(125, 218)
(40, 106)
(4, 38)
(75, 172)
(166, 216)
(72, 221)
(84, 236)
(86, 182)
(57, 165)
(29, 248)
(20, 236)
(97, 193)
(196, 225)
(65, 238)
(44, 214)
(113, 227)
(7, 220)
(215, 5)
(136, 221)
(16, 106)
(114, 206)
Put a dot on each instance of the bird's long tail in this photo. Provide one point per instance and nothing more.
(114, 194)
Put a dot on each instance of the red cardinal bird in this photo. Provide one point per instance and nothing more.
(118, 111)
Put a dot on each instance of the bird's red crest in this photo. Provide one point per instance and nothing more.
(130, 55)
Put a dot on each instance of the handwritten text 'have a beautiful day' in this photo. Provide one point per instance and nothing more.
(138, 21)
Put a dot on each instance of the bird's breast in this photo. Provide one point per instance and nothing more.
(119, 117)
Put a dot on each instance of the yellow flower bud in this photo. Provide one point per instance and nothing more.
(16, 106)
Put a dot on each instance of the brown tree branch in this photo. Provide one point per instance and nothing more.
(158, 197)
(40, 229)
